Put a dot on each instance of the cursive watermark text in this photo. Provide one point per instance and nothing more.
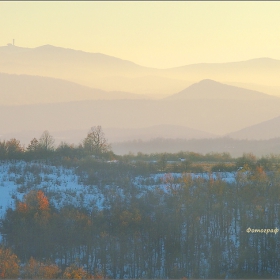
(266, 230)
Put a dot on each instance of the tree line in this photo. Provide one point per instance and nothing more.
(94, 143)
(95, 146)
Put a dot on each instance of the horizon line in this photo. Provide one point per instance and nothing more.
(168, 68)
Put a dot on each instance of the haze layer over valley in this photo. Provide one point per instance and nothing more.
(67, 91)
(114, 74)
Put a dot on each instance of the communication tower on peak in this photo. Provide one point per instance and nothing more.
(13, 42)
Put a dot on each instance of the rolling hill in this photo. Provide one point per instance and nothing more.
(261, 131)
(209, 89)
(27, 89)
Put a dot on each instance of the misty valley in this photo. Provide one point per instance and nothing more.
(109, 169)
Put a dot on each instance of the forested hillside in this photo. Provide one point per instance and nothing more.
(83, 212)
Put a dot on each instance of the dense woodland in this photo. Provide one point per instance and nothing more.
(196, 230)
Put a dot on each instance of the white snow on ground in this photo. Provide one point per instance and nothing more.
(62, 185)
(8, 189)
(163, 181)
(225, 176)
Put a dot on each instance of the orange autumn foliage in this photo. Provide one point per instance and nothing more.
(9, 264)
(43, 201)
(35, 269)
(22, 207)
(34, 200)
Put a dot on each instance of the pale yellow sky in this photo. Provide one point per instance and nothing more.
(154, 34)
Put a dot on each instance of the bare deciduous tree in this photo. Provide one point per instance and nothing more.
(95, 142)
(46, 141)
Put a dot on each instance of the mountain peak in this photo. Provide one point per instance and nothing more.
(48, 46)
(208, 82)
(210, 89)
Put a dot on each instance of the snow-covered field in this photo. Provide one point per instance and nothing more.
(166, 181)
(64, 187)
(61, 185)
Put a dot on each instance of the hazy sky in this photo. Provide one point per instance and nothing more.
(155, 34)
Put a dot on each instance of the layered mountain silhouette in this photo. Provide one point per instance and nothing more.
(216, 116)
(113, 74)
(27, 89)
(90, 69)
(67, 90)
(49, 60)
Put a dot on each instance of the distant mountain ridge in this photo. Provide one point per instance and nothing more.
(59, 56)
(213, 116)
(248, 62)
(261, 131)
(114, 74)
(64, 53)
(27, 89)
(209, 89)
(60, 105)
(75, 90)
